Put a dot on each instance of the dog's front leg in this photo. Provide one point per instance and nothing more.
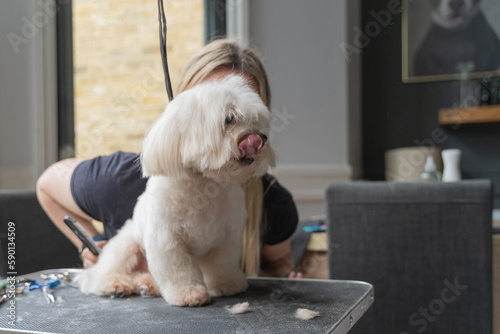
(221, 270)
(177, 274)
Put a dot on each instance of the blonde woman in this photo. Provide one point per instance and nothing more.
(106, 188)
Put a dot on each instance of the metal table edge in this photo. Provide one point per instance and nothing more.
(349, 319)
(356, 311)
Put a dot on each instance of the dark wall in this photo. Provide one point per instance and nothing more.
(397, 114)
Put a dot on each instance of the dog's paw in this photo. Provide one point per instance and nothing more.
(89, 282)
(146, 286)
(229, 286)
(196, 295)
(120, 287)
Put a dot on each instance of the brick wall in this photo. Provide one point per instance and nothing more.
(119, 84)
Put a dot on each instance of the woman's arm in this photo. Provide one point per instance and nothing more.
(277, 260)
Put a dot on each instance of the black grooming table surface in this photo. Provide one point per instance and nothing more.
(272, 305)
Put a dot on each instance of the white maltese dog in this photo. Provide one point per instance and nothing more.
(189, 222)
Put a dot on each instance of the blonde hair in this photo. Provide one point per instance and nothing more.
(228, 54)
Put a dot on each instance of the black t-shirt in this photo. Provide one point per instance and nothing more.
(280, 217)
(107, 187)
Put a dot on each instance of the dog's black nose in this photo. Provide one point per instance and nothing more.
(264, 137)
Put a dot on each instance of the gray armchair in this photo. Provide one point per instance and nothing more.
(38, 243)
(426, 248)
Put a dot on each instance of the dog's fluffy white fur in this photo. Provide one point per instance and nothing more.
(188, 223)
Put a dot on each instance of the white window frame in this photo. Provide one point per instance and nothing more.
(46, 90)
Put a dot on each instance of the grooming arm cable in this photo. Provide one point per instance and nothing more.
(163, 48)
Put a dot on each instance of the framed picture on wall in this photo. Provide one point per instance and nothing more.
(450, 39)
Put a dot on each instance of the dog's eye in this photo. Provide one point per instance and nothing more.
(229, 119)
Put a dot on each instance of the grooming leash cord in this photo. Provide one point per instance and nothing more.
(163, 48)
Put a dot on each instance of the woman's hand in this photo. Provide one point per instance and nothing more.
(295, 274)
(88, 258)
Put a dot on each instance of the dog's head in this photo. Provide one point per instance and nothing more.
(218, 129)
(454, 14)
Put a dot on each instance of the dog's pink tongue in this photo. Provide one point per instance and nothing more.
(249, 145)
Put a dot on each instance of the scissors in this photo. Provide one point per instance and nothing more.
(46, 289)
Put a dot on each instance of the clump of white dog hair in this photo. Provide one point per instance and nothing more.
(238, 308)
(305, 314)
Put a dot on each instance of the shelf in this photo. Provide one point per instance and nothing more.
(482, 114)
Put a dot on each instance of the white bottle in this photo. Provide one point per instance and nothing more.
(451, 164)
(430, 172)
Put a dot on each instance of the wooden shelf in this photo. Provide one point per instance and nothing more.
(482, 114)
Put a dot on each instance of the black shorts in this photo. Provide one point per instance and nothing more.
(106, 188)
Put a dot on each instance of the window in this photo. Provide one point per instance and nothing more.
(119, 88)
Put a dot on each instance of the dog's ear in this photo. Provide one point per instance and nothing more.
(161, 146)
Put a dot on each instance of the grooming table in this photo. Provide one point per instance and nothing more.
(272, 306)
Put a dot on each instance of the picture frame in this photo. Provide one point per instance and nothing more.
(435, 48)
